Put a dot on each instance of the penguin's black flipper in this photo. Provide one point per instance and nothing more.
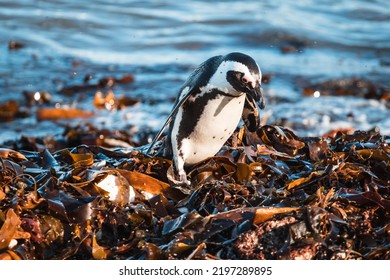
(198, 78)
(168, 121)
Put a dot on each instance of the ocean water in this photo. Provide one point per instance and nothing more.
(160, 42)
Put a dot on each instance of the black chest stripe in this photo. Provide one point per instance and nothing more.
(192, 110)
(225, 100)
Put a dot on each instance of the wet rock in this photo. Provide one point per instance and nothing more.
(347, 87)
(266, 78)
(11, 110)
(15, 45)
(36, 97)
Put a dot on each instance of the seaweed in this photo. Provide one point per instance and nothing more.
(267, 195)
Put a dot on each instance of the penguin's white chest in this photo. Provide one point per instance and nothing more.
(216, 124)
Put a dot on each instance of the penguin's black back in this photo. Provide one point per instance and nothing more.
(201, 75)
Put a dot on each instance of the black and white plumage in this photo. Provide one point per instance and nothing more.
(208, 109)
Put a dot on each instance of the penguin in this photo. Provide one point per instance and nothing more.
(208, 109)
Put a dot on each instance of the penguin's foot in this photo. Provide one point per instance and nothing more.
(181, 181)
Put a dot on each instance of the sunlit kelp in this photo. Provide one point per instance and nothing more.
(266, 195)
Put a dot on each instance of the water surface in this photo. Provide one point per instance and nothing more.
(160, 42)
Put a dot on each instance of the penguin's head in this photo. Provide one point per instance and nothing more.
(239, 74)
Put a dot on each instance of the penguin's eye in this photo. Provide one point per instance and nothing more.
(238, 80)
(244, 79)
(238, 76)
(246, 82)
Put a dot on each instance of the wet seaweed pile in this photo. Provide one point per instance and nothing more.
(266, 195)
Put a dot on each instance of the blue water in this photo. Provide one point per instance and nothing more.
(160, 42)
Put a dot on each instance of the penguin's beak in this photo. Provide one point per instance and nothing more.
(257, 95)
